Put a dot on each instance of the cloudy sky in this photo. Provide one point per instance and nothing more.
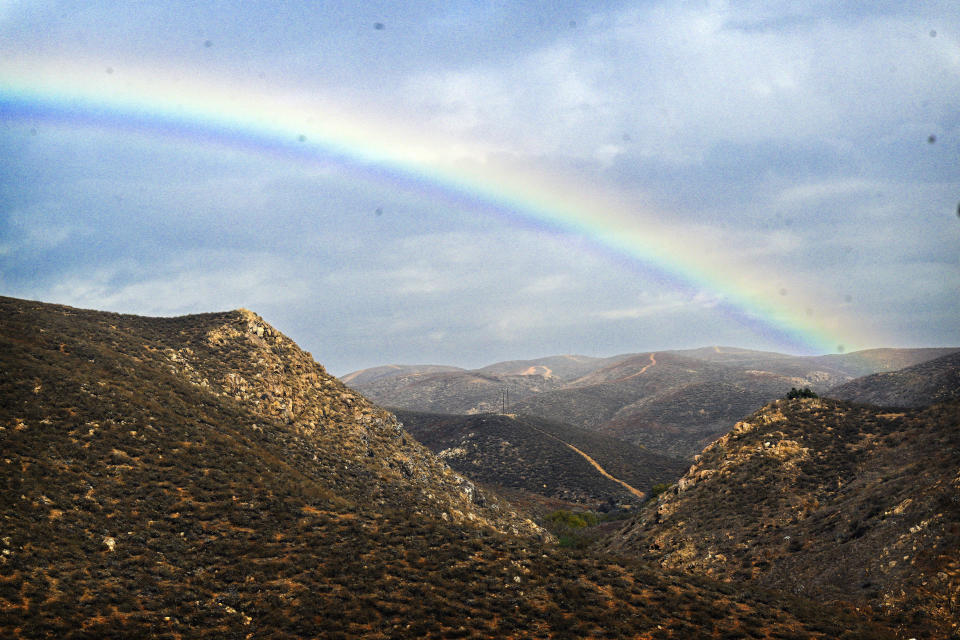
(482, 181)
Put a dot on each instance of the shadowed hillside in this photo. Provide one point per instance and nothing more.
(821, 371)
(869, 361)
(202, 477)
(824, 498)
(541, 457)
(916, 386)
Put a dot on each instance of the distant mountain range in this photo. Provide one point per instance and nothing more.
(671, 402)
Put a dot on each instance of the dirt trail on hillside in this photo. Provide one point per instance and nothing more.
(596, 465)
(653, 362)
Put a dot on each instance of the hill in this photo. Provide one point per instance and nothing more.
(456, 392)
(916, 386)
(821, 497)
(824, 369)
(202, 477)
(869, 361)
(565, 368)
(537, 456)
(385, 372)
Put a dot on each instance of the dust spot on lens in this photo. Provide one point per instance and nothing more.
(378, 26)
(933, 33)
(302, 138)
(848, 298)
(931, 138)
(109, 69)
(208, 43)
(841, 348)
(573, 24)
(783, 291)
(379, 211)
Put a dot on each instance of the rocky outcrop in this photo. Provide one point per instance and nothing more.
(237, 355)
(822, 498)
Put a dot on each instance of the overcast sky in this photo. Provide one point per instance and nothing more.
(807, 146)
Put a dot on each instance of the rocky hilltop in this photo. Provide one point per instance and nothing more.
(820, 497)
(203, 477)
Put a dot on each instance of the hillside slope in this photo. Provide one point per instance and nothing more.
(869, 361)
(454, 392)
(541, 457)
(202, 477)
(917, 386)
(825, 498)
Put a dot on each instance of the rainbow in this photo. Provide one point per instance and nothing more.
(370, 147)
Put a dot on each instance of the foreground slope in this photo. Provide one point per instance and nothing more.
(537, 456)
(821, 497)
(202, 477)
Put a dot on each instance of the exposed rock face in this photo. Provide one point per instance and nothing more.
(823, 498)
(240, 356)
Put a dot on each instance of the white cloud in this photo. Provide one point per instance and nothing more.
(831, 189)
(653, 305)
(546, 284)
(676, 78)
